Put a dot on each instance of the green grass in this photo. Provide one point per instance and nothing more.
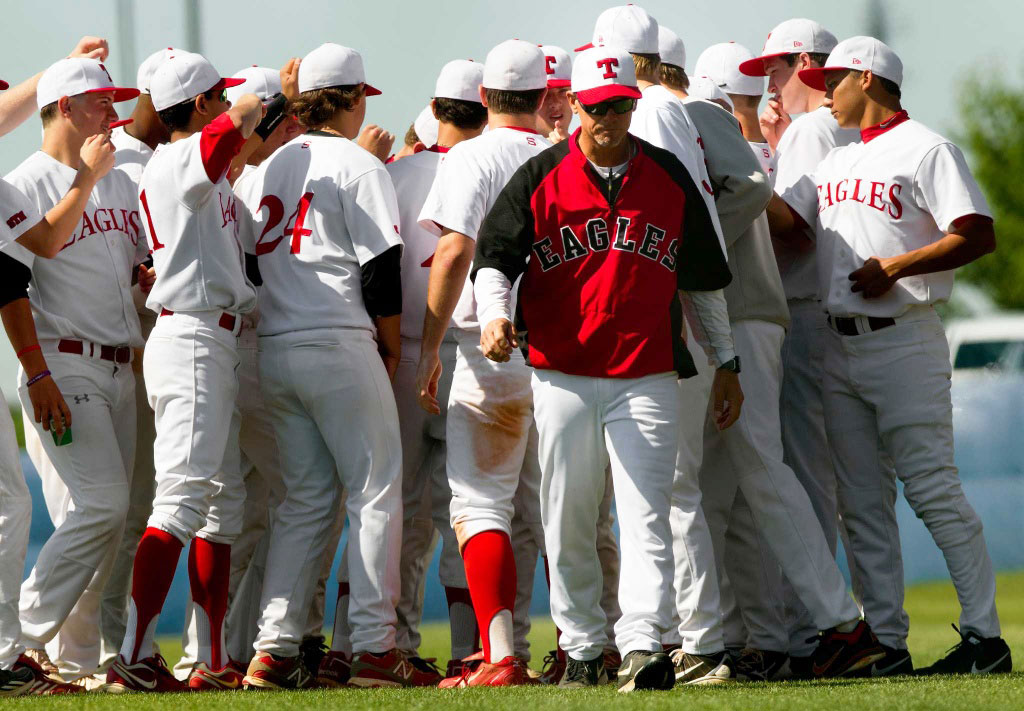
(19, 425)
(931, 609)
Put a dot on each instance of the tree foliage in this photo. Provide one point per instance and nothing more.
(992, 135)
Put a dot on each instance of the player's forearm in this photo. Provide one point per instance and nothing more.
(21, 332)
(17, 104)
(448, 273)
(973, 240)
(786, 226)
(51, 233)
(708, 314)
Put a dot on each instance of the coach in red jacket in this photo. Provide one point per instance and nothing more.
(605, 229)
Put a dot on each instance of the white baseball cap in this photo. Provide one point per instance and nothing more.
(78, 75)
(671, 47)
(261, 81)
(184, 76)
(861, 54)
(602, 74)
(558, 66)
(149, 65)
(426, 126)
(460, 79)
(704, 87)
(628, 27)
(721, 63)
(333, 65)
(515, 65)
(791, 37)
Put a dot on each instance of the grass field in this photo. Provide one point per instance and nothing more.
(931, 609)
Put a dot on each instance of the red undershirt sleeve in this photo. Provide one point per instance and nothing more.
(218, 145)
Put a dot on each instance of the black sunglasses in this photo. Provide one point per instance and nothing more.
(619, 106)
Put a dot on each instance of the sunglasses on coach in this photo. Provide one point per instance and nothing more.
(619, 106)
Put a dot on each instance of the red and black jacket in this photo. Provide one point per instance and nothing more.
(602, 264)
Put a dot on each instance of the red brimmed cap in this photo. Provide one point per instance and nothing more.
(78, 75)
(333, 65)
(859, 54)
(602, 74)
(791, 37)
(3, 85)
(183, 76)
(558, 66)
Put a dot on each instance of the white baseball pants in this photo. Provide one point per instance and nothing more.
(335, 417)
(94, 471)
(190, 364)
(15, 518)
(887, 392)
(747, 458)
(585, 424)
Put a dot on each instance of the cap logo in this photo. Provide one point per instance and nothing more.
(798, 43)
(608, 63)
(107, 73)
(855, 61)
(549, 64)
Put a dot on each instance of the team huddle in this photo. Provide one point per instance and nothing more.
(244, 326)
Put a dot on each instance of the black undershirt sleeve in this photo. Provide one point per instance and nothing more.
(252, 269)
(14, 279)
(382, 283)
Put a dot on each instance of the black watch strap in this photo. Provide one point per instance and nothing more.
(733, 364)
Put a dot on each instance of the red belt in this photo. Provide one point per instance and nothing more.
(115, 354)
(227, 321)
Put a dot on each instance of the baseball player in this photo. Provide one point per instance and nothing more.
(19, 673)
(799, 145)
(554, 116)
(460, 116)
(607, 393)
(189, 364)
(82, 302)
(491, 439)
(330, 304)
(893, 216)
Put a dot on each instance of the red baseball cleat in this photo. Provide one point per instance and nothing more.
(27, 678)
(510, 671)
(392, 668)
(203, 678)
(335, 670)
(269, 672)
(149, 674)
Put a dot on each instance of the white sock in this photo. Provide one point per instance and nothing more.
(500, 636)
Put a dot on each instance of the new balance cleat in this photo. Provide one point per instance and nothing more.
(643, 670)
(268, 672)
(701, 669)
(581, 675)
(510, 671)
(393, 668)
(761, 665)
(150, 674)
(335, 670)
(843, 653)
(203, 678)
(973, 655)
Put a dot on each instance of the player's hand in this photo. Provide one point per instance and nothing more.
(726, 397)
(96, 157)
(290, 79)
(377, 141)
(558, 134)
(875, 278)
(427, 376)
(247, 113)
(91, 48)
(48, 405)
(147, 278)
(498, 339)
(774, 121)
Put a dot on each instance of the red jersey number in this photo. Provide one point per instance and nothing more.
(294, 226)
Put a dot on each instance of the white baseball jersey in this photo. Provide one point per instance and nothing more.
(17, 216)
(85, 291)
(764, 157)
(900, 190)
(804, 144)
(661, 120)
(412, 177)
(322, 207)
(468, 181)
(131, 154)
(191, 219)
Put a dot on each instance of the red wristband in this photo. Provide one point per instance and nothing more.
(27, 349)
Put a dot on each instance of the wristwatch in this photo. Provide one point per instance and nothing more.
(732, 364)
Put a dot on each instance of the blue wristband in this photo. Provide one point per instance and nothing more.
(36, 378)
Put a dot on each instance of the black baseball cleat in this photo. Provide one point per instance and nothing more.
(973, 655)
(702, 669)
(580, 674)
(896, 662)
(843, 653)
(761, 665)
(642, 670)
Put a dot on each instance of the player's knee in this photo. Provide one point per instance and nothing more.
(110, 510)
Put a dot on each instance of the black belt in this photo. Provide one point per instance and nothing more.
(847, 326)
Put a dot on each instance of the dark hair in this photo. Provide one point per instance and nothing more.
(460, 113)
(647, 65)
(890, 86)
(177, 117)
(316, 107)
(674, 77)
(48, 113)
(818, 59)
(500, 101)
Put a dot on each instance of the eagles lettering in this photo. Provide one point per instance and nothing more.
(884, 197)
(572, 244)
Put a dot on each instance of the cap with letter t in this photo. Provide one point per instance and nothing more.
(791, 37)
(78, 75)
(604, 74)
(331, 65)
(184, 76)
(627, 27)
(515, 65)
(558, 66)
(861, 54)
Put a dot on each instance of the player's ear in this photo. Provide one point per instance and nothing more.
(433, 108)
(867, 80)
(483, 96)
(64, 106)
(200, 104)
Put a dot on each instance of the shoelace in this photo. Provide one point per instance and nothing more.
(550, 660)
(427, 665)
(576, 671)
(963, 640)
